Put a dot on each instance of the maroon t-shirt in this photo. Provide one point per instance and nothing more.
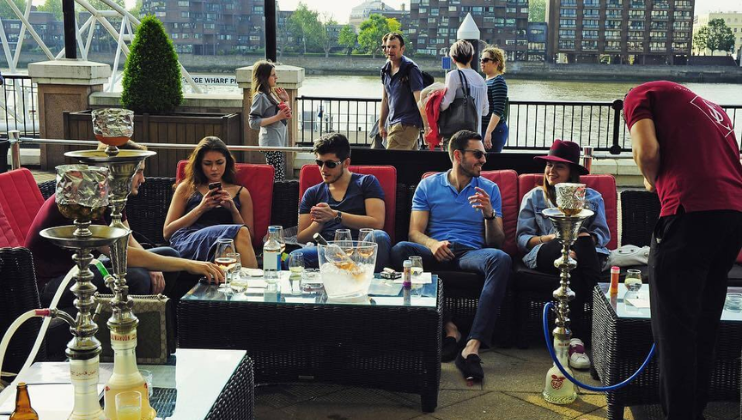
(50, 260)
(700, 166)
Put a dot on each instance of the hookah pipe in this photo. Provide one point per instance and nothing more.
(550, 306)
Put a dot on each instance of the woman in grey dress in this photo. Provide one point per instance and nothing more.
(269, 111)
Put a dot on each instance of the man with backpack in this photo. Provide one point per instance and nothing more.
(403, 81)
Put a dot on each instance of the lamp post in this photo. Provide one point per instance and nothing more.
(68, 13)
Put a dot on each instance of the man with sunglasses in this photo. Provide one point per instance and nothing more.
(403, 82)
(343, 200)
(456, 224)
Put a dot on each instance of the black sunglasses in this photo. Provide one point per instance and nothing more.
(486, 60)
(477, 153)
(329, 163)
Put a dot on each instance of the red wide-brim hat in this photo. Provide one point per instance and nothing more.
(567, 152)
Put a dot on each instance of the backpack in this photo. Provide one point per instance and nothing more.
(428, 78)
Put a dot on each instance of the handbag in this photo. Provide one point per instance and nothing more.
(628, 256)
(461, 114)
(155, 333)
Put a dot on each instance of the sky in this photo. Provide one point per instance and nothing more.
(340, 9)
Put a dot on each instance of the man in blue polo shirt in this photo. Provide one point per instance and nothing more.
(403, 82)
(455, 215)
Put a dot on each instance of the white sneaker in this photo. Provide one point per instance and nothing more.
(577, 357)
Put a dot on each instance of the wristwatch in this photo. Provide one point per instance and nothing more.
(494, 214)
(339, 217)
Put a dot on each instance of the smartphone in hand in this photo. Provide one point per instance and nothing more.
(215, 187)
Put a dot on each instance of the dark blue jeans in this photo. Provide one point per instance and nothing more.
(493, 264)
(499, 137)
(381, 238)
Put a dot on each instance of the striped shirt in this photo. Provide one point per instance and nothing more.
(497, 93)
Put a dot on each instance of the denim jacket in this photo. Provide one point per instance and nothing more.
(532, 223)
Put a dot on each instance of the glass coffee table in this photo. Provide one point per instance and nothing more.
(376, 341)
(622, 337)
(194, 384)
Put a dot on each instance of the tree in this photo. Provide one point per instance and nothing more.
(537, 11)
(347, 38)
(151, 82)
(137, 9)
(52, 6)
(305, 27)
(700, 39)
(372, 30)
(720, 36)
(393, 25)
(7, 13)
(329, 35)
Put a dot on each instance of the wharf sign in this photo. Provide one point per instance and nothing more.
(213, 80)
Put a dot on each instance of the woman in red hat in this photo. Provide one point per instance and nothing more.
(536, 233)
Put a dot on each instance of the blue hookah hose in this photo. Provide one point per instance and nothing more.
(609, 388)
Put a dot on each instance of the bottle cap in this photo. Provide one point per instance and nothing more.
(407, 263)
(615, 269)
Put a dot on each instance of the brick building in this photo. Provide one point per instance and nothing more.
(620, 31)
(503, 23)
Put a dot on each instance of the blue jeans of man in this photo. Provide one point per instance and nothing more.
(382, 239)
(493, 264)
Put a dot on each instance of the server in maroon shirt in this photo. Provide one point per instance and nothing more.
(686, 149)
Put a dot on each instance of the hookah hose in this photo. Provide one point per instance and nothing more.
(609, 388)
(45, 325)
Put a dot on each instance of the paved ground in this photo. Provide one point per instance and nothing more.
(512, 389)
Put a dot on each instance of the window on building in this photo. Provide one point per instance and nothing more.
(591, 12)
(612, 34)
(536, 46)
(509, 42)
(567, 23)
(590, 23)
(569, 2)
(510, 22)
(637, 4)
(636, 14)
(589, 45)
(591, 3)
(423, 10)
(661, 4)
(568, 12)
(183, 3)
(660, 25)
(657, 46)
(182, 14)
(613, 24)
(659, 14)
(636, 46)
(566, 33)
(174, 36)
(613, 45)
(452, 9)
(511, 10)
(589, 34)
(614, 3)
(434, 12)
(683, 4)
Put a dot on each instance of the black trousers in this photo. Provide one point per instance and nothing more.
(691, 255)
(137, 279)
(582, 279)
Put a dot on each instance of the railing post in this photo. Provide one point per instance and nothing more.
(15, 149)
(617, 107)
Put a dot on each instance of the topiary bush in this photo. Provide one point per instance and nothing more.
(151, 82)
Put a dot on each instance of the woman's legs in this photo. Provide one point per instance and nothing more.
(243, 243)
(276, 160)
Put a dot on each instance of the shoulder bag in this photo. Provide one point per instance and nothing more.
(461, 114)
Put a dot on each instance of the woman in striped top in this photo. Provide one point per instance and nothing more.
(494, 124)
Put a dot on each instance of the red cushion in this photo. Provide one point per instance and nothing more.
(387, 176)
(20, 199)
(604, 184)
(739, 257)
(507, 181)
(7, 237)
(258, 179)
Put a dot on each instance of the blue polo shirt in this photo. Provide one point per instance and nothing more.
(450, 216)
(402, 105)
(361, 187)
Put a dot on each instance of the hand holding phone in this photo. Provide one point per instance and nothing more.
(215, 187)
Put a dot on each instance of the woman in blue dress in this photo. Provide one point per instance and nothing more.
(198, 216)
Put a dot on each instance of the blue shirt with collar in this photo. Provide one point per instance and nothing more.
(399, 87)
(450, 215)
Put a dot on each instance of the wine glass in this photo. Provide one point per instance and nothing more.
(235, 282)
(344, 240)
(224, 247)
(366, 234)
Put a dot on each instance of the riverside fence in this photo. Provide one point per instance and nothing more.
(533, 124)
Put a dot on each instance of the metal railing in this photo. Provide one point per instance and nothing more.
(533, 124)
(19, 106)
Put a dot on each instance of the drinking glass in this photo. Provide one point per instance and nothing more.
(234, 281)
(633, 281)
(311, 280)
(366, 234)
(129, 405)
(224, 247)
(416, 271)
(296, 268)
(344, 240)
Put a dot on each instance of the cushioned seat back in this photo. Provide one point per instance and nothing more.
(258, 179)
(604, 184)
(7, 237)
(507, 181)
(387, 176)
(20, 199)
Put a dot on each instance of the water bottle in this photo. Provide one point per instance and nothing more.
(272, 256)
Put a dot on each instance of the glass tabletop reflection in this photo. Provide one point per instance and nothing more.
(382, 292)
